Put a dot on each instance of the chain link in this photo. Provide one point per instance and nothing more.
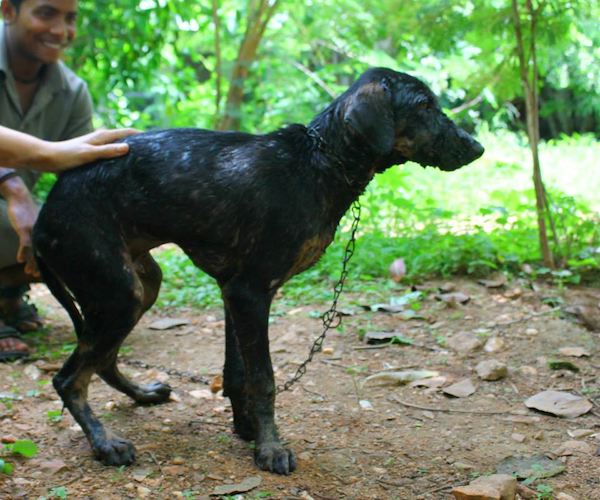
(331, 319)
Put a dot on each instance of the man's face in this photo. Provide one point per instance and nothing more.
(40, 29)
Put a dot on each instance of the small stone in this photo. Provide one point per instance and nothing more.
(328, 351)
(531, 332)
(519, 438)
(539, 436)
(143, 492)
(464, 342)
(491, 370)
(513, 294)
(564, 496)
(529, 371)
(493, 344)
(111, 405)
(7, 439)
(174, 470)
(495, 487)
(178, 461)
(33, 372)
(463, 466)
(305, 455)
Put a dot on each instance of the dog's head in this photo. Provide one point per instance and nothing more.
(399, 118)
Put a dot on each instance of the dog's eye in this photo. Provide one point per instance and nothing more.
(424, 106)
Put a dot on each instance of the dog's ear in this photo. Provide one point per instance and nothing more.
(370, 115)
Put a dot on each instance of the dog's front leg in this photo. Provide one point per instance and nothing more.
(248, 308)
(234, 382)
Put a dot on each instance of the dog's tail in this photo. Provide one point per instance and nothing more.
(61, 293)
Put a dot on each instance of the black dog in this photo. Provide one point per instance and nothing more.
(250, 210)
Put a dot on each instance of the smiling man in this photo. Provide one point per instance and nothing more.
(40, 96)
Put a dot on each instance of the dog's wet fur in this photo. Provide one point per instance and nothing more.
(250, 210)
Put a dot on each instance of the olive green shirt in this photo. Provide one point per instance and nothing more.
(61, 109)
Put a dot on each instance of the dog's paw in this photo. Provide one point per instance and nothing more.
(275, 458)
(155, 392)
(115, 451)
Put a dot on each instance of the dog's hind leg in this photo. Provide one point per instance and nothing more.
(103, 280)
(107, 321)
(149, 275)
(248, 307)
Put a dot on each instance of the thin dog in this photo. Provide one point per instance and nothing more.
(250, 210)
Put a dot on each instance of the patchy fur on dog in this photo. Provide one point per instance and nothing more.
(249, 210)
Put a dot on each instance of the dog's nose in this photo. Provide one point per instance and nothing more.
(477, 149)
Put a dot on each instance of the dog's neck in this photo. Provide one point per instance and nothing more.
(353, 160)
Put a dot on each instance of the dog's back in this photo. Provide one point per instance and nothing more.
(233, 197)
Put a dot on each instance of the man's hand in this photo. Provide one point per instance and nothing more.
(94, 146)
(22, 213)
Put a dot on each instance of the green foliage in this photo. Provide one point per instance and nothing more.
(22, 447)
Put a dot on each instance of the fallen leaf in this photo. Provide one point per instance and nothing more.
(383, 307)
(576, 352)
(573, 447)
(400, 377)
(167, 323)
(53, 466)
(431, 383)
(216, 384)
(140, 474)
(461, 389)
(561, 404)
(536, 466)
(247, 484)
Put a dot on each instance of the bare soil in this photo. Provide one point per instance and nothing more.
(377, 441)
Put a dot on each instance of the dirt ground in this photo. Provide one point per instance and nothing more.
(353, 441)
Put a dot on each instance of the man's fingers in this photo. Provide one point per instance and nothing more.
(100, 137)
(108, 151)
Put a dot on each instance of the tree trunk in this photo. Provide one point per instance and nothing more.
(259, 14)
(529, 80)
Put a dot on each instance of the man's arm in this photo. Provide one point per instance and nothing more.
(20, 150)
(22, 213)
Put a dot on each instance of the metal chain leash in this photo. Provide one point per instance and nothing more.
(169, 371)
(331, 318)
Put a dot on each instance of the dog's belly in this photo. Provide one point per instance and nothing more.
(309, 253)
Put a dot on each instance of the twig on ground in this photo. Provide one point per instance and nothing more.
(389, 344)
(207, 422)
(439, 488)
(397, 484)
(449, 410)
(155, 461)
(314, 393)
